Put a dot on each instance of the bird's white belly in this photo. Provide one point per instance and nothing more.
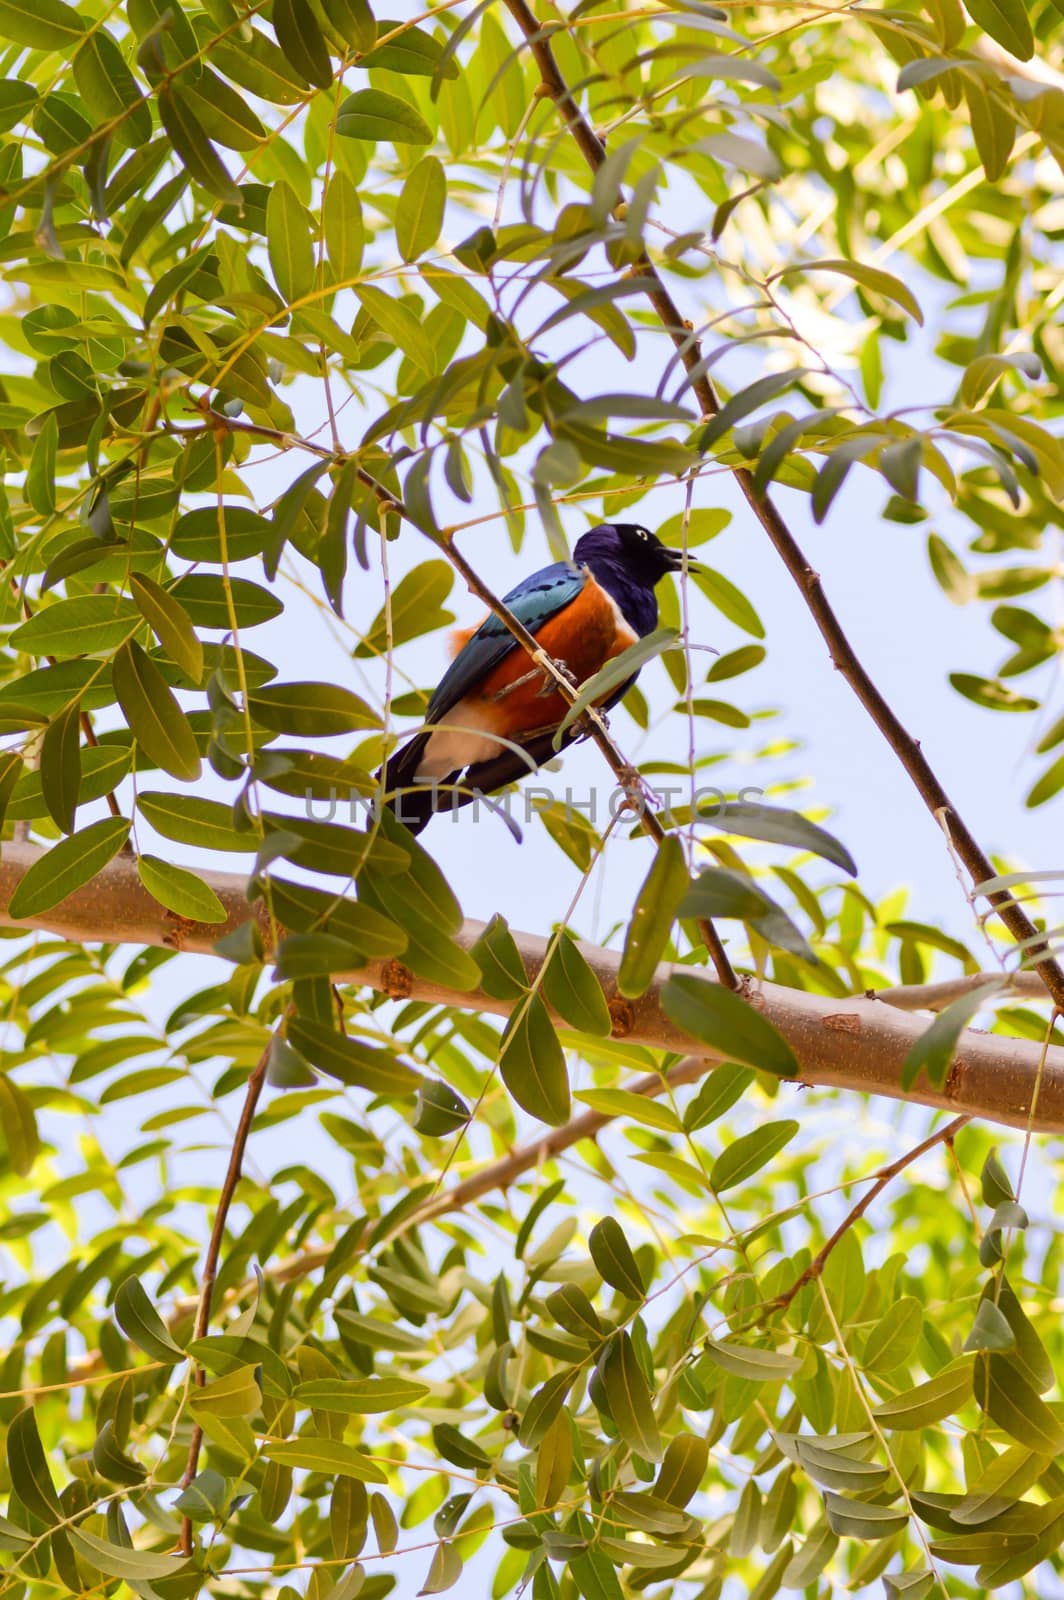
(462, 738)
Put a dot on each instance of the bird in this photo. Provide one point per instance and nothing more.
(495, 714)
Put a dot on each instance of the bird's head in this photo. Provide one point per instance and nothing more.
(640, 552)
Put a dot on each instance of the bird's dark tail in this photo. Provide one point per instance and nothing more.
(413, 805)
(410, 804)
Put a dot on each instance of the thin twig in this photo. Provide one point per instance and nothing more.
(936, 996)
(842, 654)
(210, 1263)
(945, 1135)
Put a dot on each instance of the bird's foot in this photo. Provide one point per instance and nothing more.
(561, 668)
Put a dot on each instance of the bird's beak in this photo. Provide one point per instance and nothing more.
(676, 562)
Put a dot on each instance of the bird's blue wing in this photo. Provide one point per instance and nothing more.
(534, 601)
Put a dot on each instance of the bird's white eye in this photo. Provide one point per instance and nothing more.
(642, 532)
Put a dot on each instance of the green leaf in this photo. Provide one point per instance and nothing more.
(718, 1017)
(220, 533)
(1011, 1401)
(419, 213)
(1007, 22)
(893, 1339)
(990, 1330)
(544, 1406)
(68, 865)
(777, 826)
(198, 156)
(652, 918)
(330, 1456)
(417, 608)
(991, 695)
(235, 1394)
(362, 1066)
(729, 601)
(40, 475)
(741, 404)
(993, 128)
(933, 1051)
(207, 599)
(180, 890)
(18, 1125)
(289, 239)
(399, 323)
(110, 90)
(155, 719)
(375, 115)
(724, 1085)
(751, 1362)
(310, 710)
(190, 819)
(359, 1397)
(532, 1063)
(61, 766)
(612, 1255)
(343, 227)
(629, 1399)
(929, 1402)
(872, 278)
(413, 51)
(86, 625)
(140, 1321)
(170, 623)
(571, 988)
(440, 1112)
(42, 25)
(858, 1519)
(502, 970)
(121, 1561)
(27, 1464)
(748, 1154)
(718, 892)
(111, 1462)
(205, 1499)
(623, 1103)
(301, 41)
(616, 672)
(595, 1576)
(354, 21)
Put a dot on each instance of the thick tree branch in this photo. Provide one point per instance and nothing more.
(853, 1044)
(843, 656)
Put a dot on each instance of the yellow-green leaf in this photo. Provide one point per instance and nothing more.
(155, 719)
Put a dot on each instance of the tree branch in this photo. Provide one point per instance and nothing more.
(852, 1044)
(945, 1135)
(937, 996)
(842, 654)
(210, 1262)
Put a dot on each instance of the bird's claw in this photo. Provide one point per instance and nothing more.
(561, 669)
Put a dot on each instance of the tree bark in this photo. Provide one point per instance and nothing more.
(858, 1043)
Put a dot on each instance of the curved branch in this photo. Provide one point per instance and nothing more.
(252, 1093)
(842, 653)
(937, 996)
(856, 1043)
(944, 1135)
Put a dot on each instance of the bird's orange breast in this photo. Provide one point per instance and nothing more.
(585, 635)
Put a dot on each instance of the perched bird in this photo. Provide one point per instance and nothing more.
(582, 613)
